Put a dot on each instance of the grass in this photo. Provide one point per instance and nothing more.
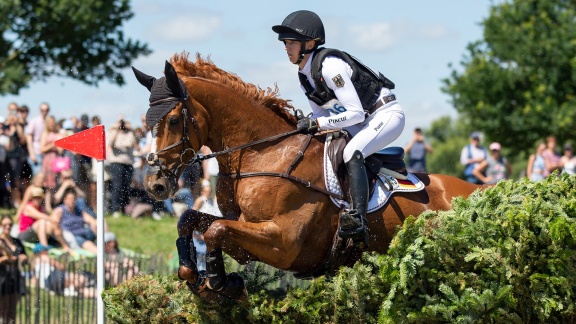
(145, 235)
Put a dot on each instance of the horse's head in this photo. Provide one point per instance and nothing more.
(176, 135)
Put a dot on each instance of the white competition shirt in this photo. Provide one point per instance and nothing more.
(344, 111)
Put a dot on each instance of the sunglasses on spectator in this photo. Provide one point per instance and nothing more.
(7, 224)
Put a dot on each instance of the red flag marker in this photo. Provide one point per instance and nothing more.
(90, 142)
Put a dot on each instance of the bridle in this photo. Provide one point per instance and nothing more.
(153, 159)
(156, 165)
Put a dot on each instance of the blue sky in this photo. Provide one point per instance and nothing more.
(411, 42)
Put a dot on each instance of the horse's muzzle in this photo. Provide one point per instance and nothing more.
(160, 184)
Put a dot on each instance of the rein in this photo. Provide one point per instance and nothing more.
(286, 175)
(154, 160)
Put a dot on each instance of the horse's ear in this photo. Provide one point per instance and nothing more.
(172, 79)
(144, 79)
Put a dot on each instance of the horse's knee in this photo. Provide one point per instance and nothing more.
(215, 232)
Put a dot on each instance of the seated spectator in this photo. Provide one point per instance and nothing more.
(568, 160)
(36, 225)
(204, 203)
(65, 182)
(181, 201)
(37, 181)
(52, 275)
(494, 168)
(81, 224)
(119, 267)
(141, 204)
(536, 164)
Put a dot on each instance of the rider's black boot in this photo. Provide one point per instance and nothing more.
(353, 222)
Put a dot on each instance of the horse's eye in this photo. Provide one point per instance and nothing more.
(173, 120)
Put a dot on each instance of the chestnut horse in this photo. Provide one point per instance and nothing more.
(269, 215)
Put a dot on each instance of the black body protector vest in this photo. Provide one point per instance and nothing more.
(367, 83)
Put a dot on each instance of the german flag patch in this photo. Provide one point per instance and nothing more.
(338, 81)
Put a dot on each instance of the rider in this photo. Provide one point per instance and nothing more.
(343, 93)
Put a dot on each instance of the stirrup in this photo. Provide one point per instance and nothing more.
(353, 226)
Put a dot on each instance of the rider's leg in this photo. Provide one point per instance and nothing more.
(353, 222)
(378, 131)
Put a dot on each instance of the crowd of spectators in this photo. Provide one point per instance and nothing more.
(52, 191)
(488, 166)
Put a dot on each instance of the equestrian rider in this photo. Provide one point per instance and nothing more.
(343, 94)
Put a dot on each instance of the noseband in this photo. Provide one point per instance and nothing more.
(153, 159)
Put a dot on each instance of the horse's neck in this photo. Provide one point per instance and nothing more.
(235, 120)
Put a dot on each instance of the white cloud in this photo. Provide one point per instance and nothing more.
(376, 37)
(186, 28)
(382, 36)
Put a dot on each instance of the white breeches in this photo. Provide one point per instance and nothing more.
(376, 132)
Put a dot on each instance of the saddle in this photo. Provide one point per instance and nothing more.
(389, 161)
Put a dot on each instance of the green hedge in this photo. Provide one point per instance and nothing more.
(505, 254)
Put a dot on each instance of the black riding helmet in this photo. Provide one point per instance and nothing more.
(301, 25)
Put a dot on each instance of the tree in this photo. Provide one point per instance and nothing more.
(518, 84)
(79, 39)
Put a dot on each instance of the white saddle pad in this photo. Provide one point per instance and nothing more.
(385, 186)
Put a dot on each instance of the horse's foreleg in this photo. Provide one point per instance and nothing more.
(190, 221)
(264, 240)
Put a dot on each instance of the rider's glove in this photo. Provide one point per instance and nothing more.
(307, 125)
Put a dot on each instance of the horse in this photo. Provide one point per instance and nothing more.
(270, 189)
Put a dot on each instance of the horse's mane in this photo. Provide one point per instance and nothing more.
(204, 68)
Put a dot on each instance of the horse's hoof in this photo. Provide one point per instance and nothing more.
(205, 294)
(185, 273)
(235, 288)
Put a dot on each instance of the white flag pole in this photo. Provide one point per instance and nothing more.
(100, 238)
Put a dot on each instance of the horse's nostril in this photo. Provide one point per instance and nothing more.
(159, 189)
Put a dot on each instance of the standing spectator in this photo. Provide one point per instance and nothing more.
(96, 121)
(536, 164)
(12, 109)
(494, 168)
(34, 132)
(568, 160)
(15, 158)
(551, 158)
(472, 154)
(49, 151)
(417, 149)
(26, 171)
(81, 164)
(6, 145)
(121, 145)
(12, 254)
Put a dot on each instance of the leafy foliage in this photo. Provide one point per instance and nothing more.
(79, 39)
(505, 254)
(518, 83)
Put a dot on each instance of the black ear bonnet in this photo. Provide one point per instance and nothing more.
(160, 90)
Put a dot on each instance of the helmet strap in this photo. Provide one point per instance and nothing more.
(303, 51)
